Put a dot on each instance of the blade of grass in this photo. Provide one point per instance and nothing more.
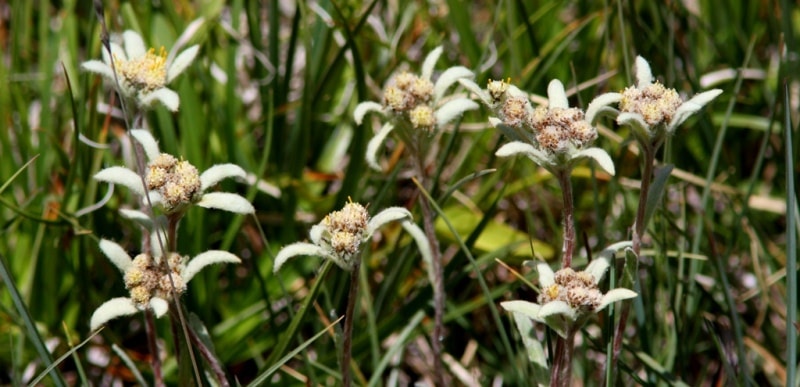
(30, 324)
(51, 367)
(399, 344)
(263, 377)
(791, 247)
(692, 300)
(290, 332)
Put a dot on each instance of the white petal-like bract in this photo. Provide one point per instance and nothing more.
(116, 254)
(430, 63)
(183, 60)
(526, 308)
(454, 109)
(98, 67)
(615, 295)
(423, 245)
(149, 143)
(375, 144)
(159, 306)
(388, 215)
(556, 95)
(122, 176)
(365, 107)
(597, 269)
(692, 106)
(546, 275)
(166, 96)
(448, 78)
(207, 258)
(219, 172)
(553, 308)
(295, 249)
(134, 45)
(599, 105)
(111, 309)
(226, 201)
(644, 76)
(600, 156)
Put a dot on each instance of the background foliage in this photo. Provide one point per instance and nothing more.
(273, 91)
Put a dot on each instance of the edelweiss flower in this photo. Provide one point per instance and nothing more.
(174, 184)
(414, 104)
(342, 234)
(143, 74)
(568, 297)
(149, 282)
(650, 109)
(554, 136)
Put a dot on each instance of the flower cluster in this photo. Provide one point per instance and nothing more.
(654, 102)
(178, 182)
(557, 129)
(344, 230)
(142, 74)
(414, 104)
(553, 136)
(650, 109)
(341, 235)
(152, 283)
(577, 288)
(568, 297)
(144, 279)
(174, 185)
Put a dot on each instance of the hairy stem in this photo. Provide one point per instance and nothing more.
(568, 248)
(212, 361)
(347, 342)
(438, 271)
(155, 362)
(561, 373)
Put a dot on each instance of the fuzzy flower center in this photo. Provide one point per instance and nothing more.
(409, 96)
(347, 228)
(558, 128)
(514, 111)
(655, 103)
(145, 279)
(145, 73)
(178, 182)
(577, 289)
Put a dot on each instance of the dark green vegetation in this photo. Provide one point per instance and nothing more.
(714, 285)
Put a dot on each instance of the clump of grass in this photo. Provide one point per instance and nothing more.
(273, 90)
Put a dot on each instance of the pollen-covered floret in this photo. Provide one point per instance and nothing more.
(422, 117)
(145, 279)
(353, 218)
(497, 89)
(146, 73)
(577, 289)
(165, 287)
(409, 96)
(514, 111)
(557, 127)
(178, 182)
(656, 103)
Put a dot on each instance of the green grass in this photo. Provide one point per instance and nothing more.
(715, 292)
